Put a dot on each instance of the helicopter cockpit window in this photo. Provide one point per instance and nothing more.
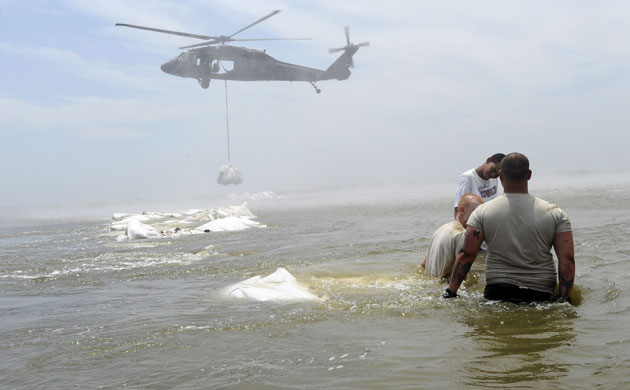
(182, 57)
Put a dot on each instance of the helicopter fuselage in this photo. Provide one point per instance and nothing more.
(227, 62)
(216, 59)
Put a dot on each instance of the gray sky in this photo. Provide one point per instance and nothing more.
(88, 116)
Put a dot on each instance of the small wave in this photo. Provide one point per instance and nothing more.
(42, 276)
(113, 261)
(194, 327)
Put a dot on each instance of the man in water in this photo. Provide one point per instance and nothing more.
(481, 181)
(520, 230)
(449, 238)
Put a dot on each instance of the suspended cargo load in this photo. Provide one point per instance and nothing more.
(229, 175)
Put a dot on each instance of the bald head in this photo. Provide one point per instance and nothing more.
(470, 200)
(467, 204)
(515, 167)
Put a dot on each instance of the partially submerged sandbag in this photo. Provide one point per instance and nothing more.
(228, 224)
(229, 175)
(279, 286)
(195, 221)
(137, 229)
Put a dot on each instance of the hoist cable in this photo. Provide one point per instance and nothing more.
(227, 121)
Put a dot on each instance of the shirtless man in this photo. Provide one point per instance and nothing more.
(520, 230)
(448, 239)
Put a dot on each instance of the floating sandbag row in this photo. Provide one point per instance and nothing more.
(156, 224)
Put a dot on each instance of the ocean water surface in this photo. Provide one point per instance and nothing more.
(81, 308)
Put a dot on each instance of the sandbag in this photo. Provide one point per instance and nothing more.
(137, 229)
(279, 286)
(229, 175)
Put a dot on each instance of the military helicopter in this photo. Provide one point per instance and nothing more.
(216, 59)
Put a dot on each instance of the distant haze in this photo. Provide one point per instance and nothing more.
(88, 117)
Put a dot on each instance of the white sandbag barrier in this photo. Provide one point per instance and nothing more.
(191, 222)
(229, 175)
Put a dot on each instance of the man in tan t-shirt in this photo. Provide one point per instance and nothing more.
(449, 238)
(519, 230)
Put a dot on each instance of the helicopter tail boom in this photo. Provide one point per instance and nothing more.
(340, 69)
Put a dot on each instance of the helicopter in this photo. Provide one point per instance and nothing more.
(217, 59)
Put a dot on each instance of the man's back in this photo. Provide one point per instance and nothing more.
(519, 230)
(443, 247)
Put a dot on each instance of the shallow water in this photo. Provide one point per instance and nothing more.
(79, 309)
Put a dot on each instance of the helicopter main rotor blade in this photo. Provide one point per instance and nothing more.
(209, 43)
(214, 42)
(256, 22)
(362, 44)
(183, 34)
(271, 39)
(347, 30)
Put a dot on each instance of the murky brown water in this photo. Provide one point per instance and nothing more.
(78, 309)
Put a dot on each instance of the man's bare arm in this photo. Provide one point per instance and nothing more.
(466, 257)
(563, 245)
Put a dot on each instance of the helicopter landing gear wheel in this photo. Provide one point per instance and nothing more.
(315, 86)
(205, 83)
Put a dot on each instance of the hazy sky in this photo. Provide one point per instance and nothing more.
(88, 116)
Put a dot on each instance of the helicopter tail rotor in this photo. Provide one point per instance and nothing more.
(340, 68)
(349, 44)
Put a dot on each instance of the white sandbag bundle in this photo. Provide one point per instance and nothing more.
(229, 175)
(137, 229)
(279, 286)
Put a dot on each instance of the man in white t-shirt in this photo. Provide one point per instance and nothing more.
(520, 230)
(480, 181)
(448, 239)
